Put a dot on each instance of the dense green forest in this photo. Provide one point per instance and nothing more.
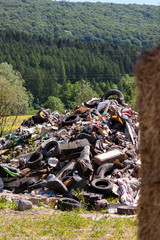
(116, 23)
(58, 67)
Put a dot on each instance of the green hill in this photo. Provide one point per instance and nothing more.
(120, 24)
(52, 67)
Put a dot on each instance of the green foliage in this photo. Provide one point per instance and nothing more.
(83, 92)
(14, 98)
(85, 21)
(41, 204)
(79, 193)
(56, 67)
(54, 103)
(4, 203)
(67, 93)
(112, 199)
(128, 87)
(31, 111)
(30, 100)
(14, 83)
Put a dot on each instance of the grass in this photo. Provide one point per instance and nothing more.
(16, 125)
(37, 224)
(31, 112)
(18, 122)
(4, 203)
(47, 223)
(112, 199)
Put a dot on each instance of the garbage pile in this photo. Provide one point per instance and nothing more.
(94, 149)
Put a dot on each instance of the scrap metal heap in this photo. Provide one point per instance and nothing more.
(94, 149)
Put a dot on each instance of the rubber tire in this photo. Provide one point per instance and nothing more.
(68, 194)
(90, 138)
(69, 120)
(40, 184)
(81, 185)
(52, 149)
(38, 119)
(34, 160)
(113, 92)
(92, 104)
(103, 186)
(24, 186)
(67, 172)
(56, 185)
(68, 204)
(105, 170)
(130, 210)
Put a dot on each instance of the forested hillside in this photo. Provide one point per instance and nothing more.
(54, 67)
(119, 24)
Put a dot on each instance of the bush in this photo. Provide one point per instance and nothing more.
(54, 103)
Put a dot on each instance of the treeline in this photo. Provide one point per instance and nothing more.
(116, 23)
(53, 67)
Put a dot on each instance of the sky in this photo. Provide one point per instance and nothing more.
(147, 2)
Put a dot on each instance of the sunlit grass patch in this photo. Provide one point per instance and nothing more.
(17, 123)
(59, 225)
(4, 203)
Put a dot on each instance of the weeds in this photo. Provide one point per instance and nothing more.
(112, 199)
(79, 193)
(64, 226)
(41, 204)
(4, 203)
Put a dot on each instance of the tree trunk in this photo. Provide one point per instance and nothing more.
(148, 82)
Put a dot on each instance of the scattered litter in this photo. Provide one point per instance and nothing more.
(94, 148)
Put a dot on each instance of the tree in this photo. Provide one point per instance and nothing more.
(67, 93)
(83, 92)
(54, 103)
(128, 87)
(62, 72)
(58, 69)
(13, 96)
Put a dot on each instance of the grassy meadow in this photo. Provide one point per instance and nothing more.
(16, 124)
(52, 224)
(18, 121)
